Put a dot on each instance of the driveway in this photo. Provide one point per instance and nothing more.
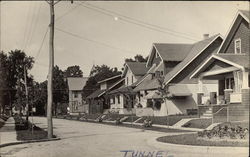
(82, 139)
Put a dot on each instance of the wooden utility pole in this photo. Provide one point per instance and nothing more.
(26, 93)
(50, 75)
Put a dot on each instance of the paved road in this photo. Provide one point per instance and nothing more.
(81, 139)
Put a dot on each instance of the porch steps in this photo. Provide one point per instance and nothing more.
(208, 113)
(183, 121)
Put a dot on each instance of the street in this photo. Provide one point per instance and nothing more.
(82, 139)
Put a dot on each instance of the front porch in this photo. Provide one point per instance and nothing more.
(231, 102)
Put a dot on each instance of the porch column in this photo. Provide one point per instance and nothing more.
(200, 91)
(245, 84)
(245, 88)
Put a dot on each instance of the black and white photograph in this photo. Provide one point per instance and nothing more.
(124, 78)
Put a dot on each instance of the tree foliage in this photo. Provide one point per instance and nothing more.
(98, 73)
(137, 58)
(73, 71)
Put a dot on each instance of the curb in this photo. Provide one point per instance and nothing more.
(29, 141)
(198, 149)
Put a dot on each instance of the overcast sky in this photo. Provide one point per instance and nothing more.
(108, 32)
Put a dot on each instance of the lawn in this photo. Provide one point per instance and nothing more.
(24, 131)
(202, 123)
(192, 139)
(167, 120)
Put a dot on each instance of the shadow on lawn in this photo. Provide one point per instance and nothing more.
(24, 130)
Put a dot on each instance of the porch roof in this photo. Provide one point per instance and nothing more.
(123, 89)
(179, 90)
(234, 62)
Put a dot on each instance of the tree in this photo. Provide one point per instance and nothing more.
(17, 60)
(137, 58)
(4, 92)
(100, 73)
(73, 71)
(60, 88)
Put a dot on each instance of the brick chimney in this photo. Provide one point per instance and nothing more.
(205, 36)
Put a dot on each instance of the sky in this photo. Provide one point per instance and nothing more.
(98, 32)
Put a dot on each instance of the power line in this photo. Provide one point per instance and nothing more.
(40, 48)
(94, 41)
(69, 11)
(35, 26)
(138, 22)
(26, 25)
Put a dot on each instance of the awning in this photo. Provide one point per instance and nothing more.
(179, 90)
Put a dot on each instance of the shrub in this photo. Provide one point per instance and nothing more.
(147, 123)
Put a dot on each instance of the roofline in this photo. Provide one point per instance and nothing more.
(231, 26)
(110, 78)
(219, 58)
(145, 76)
(215, 38)
(150, 52)
(158, 52)
(111, 87)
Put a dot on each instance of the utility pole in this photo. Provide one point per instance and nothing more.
(26, 93)
(50, 75)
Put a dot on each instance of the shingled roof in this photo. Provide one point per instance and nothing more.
(76, 83)
(172, 52)
(195, 51)
(245, 13)
(137, 68)
(242, 60)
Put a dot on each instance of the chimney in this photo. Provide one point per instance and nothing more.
(205, 36)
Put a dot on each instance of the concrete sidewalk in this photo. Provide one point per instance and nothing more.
(8, 132)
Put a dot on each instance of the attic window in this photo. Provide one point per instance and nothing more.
(237, 46)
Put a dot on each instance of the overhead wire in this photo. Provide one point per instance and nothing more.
(137, 22)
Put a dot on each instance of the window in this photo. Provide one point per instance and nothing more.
(127, 80)
(132, 79)
(237, 46)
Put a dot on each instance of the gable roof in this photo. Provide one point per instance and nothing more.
(245, 14)
(196, 50)
(76, 83)
(236, 60)
(172, 52)
(137, 68)
(241, 60)
(241, 13)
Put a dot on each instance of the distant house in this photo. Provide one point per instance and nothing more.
(172, 64)
(77, 104)
(230, 66)
(122, 100)
(98, 103)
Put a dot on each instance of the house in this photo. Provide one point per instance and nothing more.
(171, 65)
(77, 104)
(97, 101)
(122, 100)
(230, 67)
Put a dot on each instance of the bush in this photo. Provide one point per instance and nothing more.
(226, 130)
(118, 121)
(147, 123)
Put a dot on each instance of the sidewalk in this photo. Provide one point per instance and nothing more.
(8, 132)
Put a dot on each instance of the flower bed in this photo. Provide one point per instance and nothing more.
(225, 131)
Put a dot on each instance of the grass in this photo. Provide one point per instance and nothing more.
(192, 139)
(202, 123)
(172, 119)
(24, 131)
